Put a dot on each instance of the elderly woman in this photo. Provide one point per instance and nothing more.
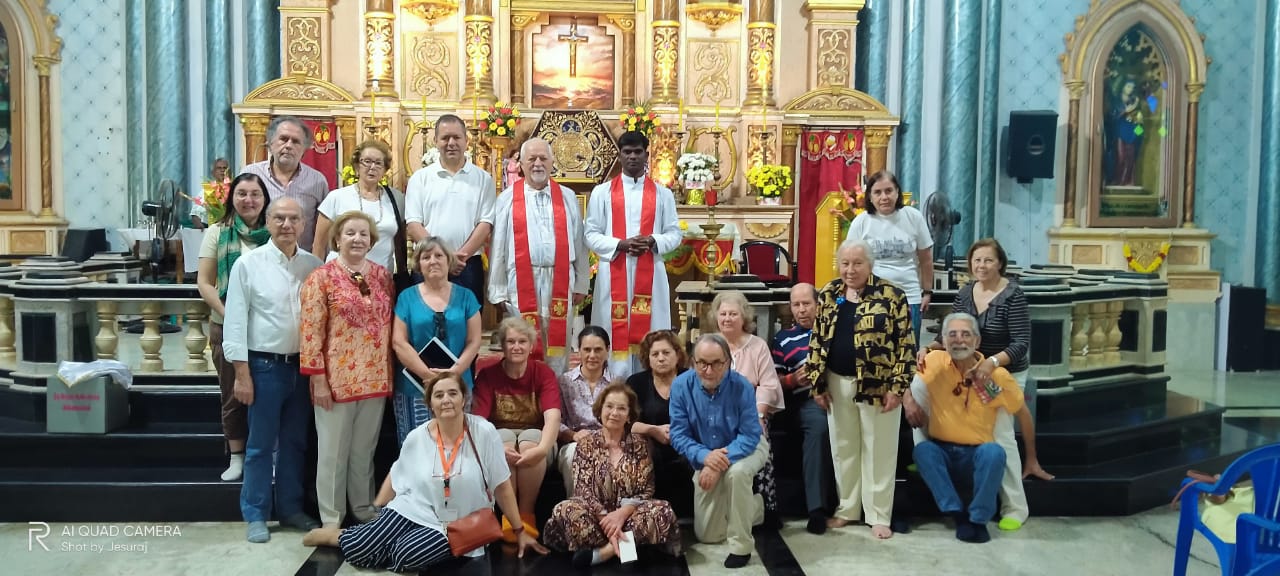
(861, 360)
(662, 357)
(445, 471)
(901, 245)
(240, 230)
(371, 161)
(753, 360)
(520, 396)
(1005, 328)
(579, 390)
(433, 308)
(346, 318)
(614, 492)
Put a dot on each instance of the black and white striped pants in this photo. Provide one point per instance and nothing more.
(394, 542)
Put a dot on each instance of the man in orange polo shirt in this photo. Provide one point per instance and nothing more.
(960, 414)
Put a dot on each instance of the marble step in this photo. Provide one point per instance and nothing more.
(1088, 400)
(157, 444)
(1117, 434)
(196, 404)
(142, 494)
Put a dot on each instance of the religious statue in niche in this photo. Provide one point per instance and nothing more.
(6, 117)
(573, 66)
(1134, 128)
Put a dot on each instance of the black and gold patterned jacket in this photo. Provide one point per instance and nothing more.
(884, 340)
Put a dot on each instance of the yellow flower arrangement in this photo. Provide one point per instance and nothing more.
(769, 180)
(640, 118)
(349, 177)
(501, 120)
(1149, 268)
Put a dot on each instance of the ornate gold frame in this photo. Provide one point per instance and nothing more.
(1083, 64)
(17, 140)
(828, 239)
(34, 46)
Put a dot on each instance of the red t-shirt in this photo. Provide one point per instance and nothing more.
(516, 404)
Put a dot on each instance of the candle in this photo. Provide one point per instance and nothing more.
(680, 111)
(424, 109)
(717, 115)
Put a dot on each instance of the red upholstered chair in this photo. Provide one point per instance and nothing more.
(769, 262)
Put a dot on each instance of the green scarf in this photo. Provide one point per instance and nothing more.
(229, 239)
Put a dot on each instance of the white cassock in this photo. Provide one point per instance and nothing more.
(600, 238)
(503, 287)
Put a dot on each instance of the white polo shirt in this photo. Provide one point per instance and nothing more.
(450, 206)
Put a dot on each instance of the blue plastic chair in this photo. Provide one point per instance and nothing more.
(1257, 548)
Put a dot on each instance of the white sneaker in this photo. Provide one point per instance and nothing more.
(235, 469)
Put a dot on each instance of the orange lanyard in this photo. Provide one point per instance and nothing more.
(447, 463)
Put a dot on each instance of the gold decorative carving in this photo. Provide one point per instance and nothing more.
(760, 39)
(430, 11)
(379, 45)
(755, 152)
(835, 57)
(713, 15)
(479, 45)
(767, 231)
(27, 242)
(838, 101)
(728, 135)
(519, 20)
(666, 62)
(1184, 256)
(627, 24)
(791, 135)
(302, 41)
(432, 66)
(296, 89)
(1086, 255)
(712, 61)
(1193, 283)
(379, 128)
(255, 125)
(580, 142)
(878, 137)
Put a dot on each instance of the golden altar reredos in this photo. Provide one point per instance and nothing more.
(384, 69)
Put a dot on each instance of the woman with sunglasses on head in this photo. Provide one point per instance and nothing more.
(434, 308)
(346, 317)
(371, 162)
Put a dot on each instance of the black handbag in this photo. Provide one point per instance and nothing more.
(401, 276)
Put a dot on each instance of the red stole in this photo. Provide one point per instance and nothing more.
(629, 330)
(558, 325)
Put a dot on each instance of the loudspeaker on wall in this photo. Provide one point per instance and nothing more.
(1031, 138)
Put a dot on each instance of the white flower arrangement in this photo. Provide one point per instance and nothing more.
(697, 168)
(433, 154)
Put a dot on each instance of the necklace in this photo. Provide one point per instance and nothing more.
(364, 264)
(360, 197)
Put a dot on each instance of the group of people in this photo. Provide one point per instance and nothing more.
(320, 314)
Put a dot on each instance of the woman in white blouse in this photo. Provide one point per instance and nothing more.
(441, 475)
(371, 161)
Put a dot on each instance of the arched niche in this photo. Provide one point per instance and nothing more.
(1134, 71)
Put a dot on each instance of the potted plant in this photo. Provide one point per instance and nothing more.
(696, 172)
(768, 181)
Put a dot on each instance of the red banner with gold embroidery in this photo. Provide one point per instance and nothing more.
(829, 160)
(692, 252)
(323, 154)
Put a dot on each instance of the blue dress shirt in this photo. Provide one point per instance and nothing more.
(703, 421)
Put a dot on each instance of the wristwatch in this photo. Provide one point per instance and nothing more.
(995, 360)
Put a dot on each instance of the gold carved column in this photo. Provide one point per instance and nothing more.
(761, 35)
(379, 45)
(1076, 89)
(519, 20)
(790, 139)
(479, 48)
(833, 33)
(666, 51)
(346, 133)
(627, 23)
(1189, 173)
(255, 136)
(878, 148)
(43, 65)
(307, 30)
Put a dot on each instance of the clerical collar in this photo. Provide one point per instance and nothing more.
(629, 180)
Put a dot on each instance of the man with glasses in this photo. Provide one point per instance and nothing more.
(287, 177)
(958, 412)
(714, 426)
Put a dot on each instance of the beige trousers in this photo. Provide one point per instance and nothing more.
(346, 436)
(864, 448)
(731, 508)
(1013, 494)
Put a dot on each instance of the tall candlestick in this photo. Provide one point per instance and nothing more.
(680, 111)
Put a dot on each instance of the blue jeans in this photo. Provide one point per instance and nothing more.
(817, 450)
(278, 421)
(943, 464)
(472, 277)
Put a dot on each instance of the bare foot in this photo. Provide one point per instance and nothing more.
(881, 531)
(322, 537)
(837, 522)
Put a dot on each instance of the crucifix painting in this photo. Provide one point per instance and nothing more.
(573, 65)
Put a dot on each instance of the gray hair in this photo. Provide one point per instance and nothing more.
(961, 317)
(813, 290)
(517, 324)
(278, 120)
(740, 299)
(551, 154)
(852, 243)
(428, 244)
(716, 339)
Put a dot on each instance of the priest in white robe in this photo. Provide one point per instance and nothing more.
(636, 234)
(526, 269)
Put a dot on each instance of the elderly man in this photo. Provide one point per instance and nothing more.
(960, 414)
(631, 223)
(714, 426)
(790, 350)
(287, 177)
(261, 340)
(453, 199)
(539, 259)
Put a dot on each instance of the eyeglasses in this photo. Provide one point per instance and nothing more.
(703, 365)
(360, 281)
(965, 385)
(442, 329)
(371, 163)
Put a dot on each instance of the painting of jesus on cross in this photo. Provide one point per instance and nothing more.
(573, 65)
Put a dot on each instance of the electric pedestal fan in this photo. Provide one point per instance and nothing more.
(162, 211)
(942, 220)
